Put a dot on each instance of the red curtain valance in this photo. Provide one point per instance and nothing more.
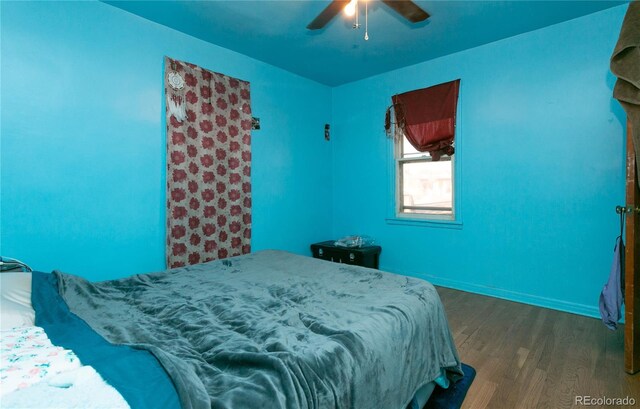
(427, 117)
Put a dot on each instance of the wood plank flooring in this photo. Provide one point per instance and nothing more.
(532, 357)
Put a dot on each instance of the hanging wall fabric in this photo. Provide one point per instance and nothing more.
(208, 165)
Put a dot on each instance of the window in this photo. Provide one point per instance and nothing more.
(424, 188)
(422, 124)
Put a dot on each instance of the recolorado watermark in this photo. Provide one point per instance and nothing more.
(586, 400)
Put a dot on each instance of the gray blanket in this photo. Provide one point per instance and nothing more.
(277, 330)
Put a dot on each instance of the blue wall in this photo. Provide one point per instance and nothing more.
(540, 157)
(83, 145)
(539, 153)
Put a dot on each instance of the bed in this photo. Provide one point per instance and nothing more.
(265, 330)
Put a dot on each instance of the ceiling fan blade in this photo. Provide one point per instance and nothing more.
(332, 10)
(408, 9)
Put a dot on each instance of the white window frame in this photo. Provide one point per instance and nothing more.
(399, 194)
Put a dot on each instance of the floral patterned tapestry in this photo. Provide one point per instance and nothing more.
(208, 165)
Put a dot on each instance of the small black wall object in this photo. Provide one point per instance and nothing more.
(255, 123)
(326, 132)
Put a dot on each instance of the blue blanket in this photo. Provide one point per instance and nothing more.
(135, 373)
(277, 330)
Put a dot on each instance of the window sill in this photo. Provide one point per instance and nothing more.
(442, 224)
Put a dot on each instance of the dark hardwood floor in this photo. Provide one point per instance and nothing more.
(532, 357)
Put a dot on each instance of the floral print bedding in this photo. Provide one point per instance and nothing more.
(28, 357)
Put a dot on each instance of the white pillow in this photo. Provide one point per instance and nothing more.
(15, 301)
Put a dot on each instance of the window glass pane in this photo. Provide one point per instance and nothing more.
(427, 185)
(409, 150)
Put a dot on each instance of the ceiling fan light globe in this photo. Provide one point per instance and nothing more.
(350, 9)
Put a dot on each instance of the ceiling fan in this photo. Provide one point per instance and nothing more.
(406, 8)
